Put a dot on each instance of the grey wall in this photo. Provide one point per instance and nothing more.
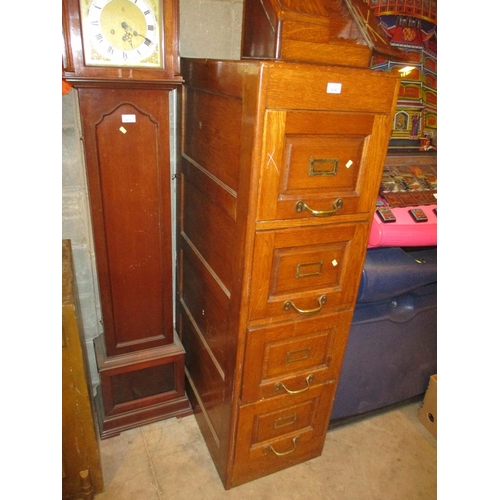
(208, 28)
(76, 224)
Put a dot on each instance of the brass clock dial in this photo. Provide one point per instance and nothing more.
(123, 33)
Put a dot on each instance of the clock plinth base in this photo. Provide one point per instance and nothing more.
(115, 425)
(140, 388)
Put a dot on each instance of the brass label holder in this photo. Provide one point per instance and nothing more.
(323, 166)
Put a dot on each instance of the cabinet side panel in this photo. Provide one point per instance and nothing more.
(212, 134)
(207, 243)
(220, 77)
(207, 305)
(210, 231)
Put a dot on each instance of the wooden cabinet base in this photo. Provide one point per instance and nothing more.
(140, 388)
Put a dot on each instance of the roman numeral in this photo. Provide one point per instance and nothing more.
(99, 37)
(148, 42)
(147, 12)
(110, 49)
(151, 27)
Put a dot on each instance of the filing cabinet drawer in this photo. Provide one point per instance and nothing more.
(315, 163)
(275, 434)
(305, 272)
(358, 91)
(292, 357)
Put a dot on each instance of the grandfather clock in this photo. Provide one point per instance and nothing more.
(122, 58)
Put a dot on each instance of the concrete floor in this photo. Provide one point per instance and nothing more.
(390, 456)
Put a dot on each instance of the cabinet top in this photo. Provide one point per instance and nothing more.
(297, 85)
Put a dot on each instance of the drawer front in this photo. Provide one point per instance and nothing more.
(319, 164)
(277, 433)
(307, 87)
(291, 358)
(304, 272)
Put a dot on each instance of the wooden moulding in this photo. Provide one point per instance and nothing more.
(115, 415)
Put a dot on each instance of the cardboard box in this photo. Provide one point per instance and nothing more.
(428, 412)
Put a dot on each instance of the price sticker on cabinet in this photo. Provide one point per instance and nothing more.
(333, 88)
(128, 118)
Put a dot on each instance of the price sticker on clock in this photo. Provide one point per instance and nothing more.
(128, 118)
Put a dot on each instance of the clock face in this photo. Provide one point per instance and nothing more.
(122, 33)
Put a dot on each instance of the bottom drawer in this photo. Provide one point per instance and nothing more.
(277, 433)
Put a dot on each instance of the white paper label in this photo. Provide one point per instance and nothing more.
(333, 88)
(128, 118)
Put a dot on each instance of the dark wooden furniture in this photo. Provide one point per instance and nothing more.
(140, 357)
(125, 114)
(281, 166)
(340, 32)
(74, 65)
(81, 463)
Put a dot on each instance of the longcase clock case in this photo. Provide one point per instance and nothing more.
(126, 124)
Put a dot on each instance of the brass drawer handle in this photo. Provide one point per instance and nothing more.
(279, 385)
(282, 454)
(337, 205)
(290, 305)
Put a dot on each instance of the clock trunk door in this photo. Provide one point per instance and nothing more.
(127, 141)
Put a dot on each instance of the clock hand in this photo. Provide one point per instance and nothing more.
(129, 33)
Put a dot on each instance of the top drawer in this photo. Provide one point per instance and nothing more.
(320, 164)
(335, 88)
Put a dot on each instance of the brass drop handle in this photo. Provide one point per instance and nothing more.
(282, 454)
(279, 385)
(290, 305)
(336, 206)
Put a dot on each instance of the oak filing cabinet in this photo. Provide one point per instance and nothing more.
(280, 169)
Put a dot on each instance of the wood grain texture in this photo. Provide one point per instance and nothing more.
(318, 31)
(140, 359)
(128, 169)
(262, 374)
(80, 445)
(305, 30)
